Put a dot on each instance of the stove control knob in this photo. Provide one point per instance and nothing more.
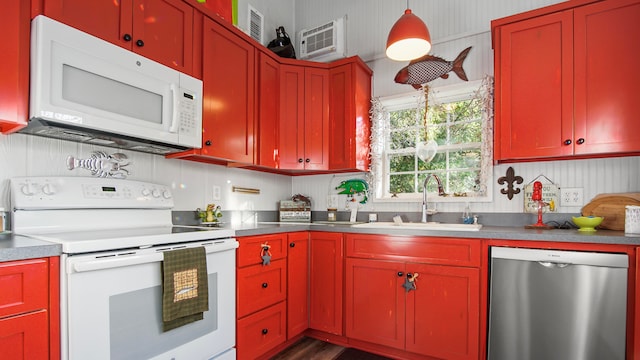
(146, 192)
(49, 189)
(166, 194)
(155, 193)
(28, 189)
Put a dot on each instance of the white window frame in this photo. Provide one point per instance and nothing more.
(379, 176)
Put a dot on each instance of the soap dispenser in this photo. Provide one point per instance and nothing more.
(467, 217)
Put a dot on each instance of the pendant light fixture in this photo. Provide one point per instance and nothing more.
(409, 38)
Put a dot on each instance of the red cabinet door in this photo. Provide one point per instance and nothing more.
(292, 111)
(260, 286)
(304, 118)
(25, 337)
(606, 98)
(268, 118)
(161, 30)
(316, 119)
(534, 88)
(325, 282)
(349, 121)
(14, 65)
(261, 332)
(297, 284)
(228, 99)
(375, 301)
(443, 312)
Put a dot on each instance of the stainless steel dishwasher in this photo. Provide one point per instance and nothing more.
(565, 305)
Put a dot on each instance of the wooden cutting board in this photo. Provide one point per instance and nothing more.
(612, 208)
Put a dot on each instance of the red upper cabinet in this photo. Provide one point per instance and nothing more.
(268, 110)
(556, 94)
(606, 97)
(161, 30)
(14, 65)
(304, 118)
(349, 120)
(534, 88)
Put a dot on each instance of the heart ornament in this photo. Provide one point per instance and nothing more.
(426, 151)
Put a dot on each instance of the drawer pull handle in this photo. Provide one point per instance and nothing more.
(265, 285)
(292, 244)
(265, 331)
(400, 273)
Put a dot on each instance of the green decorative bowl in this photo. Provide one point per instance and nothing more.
(587, 223)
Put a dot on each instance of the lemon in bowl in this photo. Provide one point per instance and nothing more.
(587, 223)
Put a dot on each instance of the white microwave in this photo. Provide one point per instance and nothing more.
(87, 90)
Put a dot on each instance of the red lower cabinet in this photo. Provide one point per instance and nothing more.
(417, 294)
(325, 282)
(262, 331)
(29, 309)
(298, 284)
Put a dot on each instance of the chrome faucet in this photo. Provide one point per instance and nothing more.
(424, 194)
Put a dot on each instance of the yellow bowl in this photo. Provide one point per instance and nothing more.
(587, 223)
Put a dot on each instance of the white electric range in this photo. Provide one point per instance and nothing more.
(113, 234)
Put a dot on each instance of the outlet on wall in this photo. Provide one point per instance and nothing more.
(216, 192)
(571, 197)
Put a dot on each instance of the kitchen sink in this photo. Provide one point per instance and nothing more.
(420, 226)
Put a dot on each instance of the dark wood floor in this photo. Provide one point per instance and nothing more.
(310, 349)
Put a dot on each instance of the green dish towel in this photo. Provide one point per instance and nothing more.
(185, 290)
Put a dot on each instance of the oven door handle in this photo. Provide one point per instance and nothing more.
(138, 257)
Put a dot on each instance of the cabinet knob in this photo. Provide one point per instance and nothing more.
(409, 275)
(208, 142)
(400, 273)
(265, 285)
(300, 160)
(127, 37)
(567, 142)
(580, 141)
(292, 244)
(308, 160)
(140, 43)
(265, 331)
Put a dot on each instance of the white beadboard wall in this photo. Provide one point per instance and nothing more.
(607, 175)
(191, 182)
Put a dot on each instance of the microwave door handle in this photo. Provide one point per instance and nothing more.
(175, 120)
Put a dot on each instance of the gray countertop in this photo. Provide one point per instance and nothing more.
(16, 247)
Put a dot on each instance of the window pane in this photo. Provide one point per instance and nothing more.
(466, 132)
(463, 181)
(403, 139)
(401, 184)
(402, 118)
(438, 162)
(464, 159)
(401, 163)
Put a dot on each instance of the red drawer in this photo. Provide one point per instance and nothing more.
(25, 286)
(261, 286)
(423, 249)
(261, 332)
(250, 250)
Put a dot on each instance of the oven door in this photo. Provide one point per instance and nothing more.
(112, 306)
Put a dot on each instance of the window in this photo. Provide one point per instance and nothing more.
(453, 141)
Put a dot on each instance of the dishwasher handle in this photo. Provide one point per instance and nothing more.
(561, 257)
(551, 265)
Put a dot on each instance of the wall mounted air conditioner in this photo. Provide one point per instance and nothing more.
(323, 43)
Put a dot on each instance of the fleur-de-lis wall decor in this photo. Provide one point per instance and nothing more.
(509, 179)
